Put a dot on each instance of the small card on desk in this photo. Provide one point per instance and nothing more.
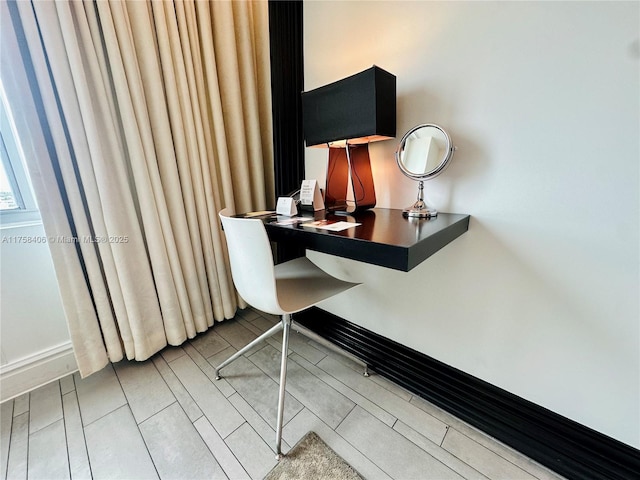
(286, 206)
(310, 196)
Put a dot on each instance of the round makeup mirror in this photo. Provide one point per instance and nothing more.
(423, 153)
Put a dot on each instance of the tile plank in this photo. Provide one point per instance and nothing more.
(6, 420)
(224, 418)
(392, 452)
(236, 334)
(328, 404)
(450, 460)
(248, 313)
(45, 406)
(184, 399)
(222, 385)
(227, 460)
(18, 447)
(259, 390)
(262, 428)
(486, 441)
(481, 458)
(264, 322)
(145, 390)
(426, 424)
(171, 353)
(354, 396)
(254, 454)
(78, 457)
(306, 422)
(21, 404)
(67, 384)
(209, 343)
(192, 459)
(116, 448)
(98, 394)
(48, 453)
(299, 344)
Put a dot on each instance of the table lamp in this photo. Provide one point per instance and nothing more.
(346, 116)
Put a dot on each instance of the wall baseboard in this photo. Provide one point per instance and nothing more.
(36, 370)
(563, 445)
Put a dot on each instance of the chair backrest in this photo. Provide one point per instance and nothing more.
(251, 262)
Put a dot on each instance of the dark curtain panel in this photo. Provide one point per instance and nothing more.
(287, 84)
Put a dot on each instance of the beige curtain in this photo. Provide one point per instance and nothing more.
(155, 115)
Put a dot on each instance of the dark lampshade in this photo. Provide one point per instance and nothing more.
(360, 108)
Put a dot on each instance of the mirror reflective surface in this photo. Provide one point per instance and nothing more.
(424, 152)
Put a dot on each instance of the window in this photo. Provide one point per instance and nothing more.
(17, 203)
(10, 198)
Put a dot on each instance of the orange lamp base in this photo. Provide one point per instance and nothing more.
(340, 160)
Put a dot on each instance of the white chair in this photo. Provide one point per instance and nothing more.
(279, 290)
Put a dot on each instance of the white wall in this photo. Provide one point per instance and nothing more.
(34, 342)
(540, 297)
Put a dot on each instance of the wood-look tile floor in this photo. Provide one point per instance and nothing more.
(168, 418)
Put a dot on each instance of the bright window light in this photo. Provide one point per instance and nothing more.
(17, 203)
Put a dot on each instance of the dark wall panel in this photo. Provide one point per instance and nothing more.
(287, 83)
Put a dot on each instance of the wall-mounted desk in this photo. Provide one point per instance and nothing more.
(384, 237)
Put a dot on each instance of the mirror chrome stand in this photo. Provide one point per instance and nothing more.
(423, 153)
(420, 209)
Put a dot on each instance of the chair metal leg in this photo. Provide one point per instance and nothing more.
(326, 343)
(273, 330)
(286, 326)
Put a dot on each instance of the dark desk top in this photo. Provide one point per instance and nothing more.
(385, 237)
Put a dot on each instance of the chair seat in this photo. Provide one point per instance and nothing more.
(300, 284)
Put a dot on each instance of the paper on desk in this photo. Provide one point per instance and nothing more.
(261, 213)
(331, 226)
(289, 221)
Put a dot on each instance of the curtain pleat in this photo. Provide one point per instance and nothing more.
(159, 115)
